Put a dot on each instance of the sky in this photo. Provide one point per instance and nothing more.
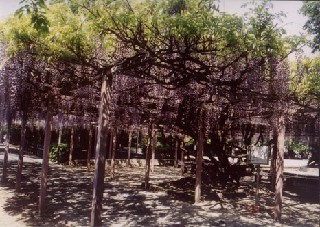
(7, 7)
(293, 23)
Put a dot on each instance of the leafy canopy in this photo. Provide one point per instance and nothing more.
(311, 9)
(53, 33)
(194, 22)
(305, 79)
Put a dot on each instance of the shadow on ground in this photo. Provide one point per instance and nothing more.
(169, 202)
(68, 195)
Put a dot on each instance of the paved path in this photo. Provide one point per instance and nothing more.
(14, 156)
(297, 167)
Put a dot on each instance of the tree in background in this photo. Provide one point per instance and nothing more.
(312, 11)
(305, 87)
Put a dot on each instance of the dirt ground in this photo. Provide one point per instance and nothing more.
(169, 202)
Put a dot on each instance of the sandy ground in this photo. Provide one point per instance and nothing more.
(169, 202)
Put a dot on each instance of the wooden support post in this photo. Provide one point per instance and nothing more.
(148, 152)
(21, 151)
(90, 136)
(176, 153)
(153, 149)
(59, 137)
(257, 185)
(279, 168)
(71, 145)
(45, 163)
(5, 157)
(100, 152)
(182, 158)
(129, 147)
(110, 144)
(274, 160)
(8, 133)
(113, 154)
(197, 194)
(137, 142)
